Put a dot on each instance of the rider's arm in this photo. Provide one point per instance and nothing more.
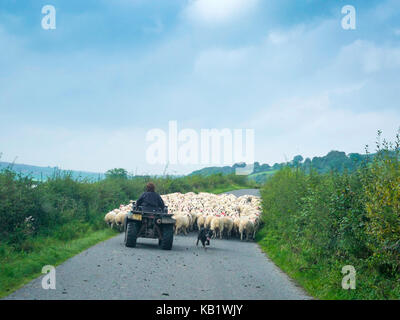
(140, 200)
(161, 202)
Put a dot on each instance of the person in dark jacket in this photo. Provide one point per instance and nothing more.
(150, 198)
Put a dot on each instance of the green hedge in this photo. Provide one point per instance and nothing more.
(316, 223)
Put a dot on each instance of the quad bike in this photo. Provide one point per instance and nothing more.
(150, 223)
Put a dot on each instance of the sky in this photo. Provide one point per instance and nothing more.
(84, 95)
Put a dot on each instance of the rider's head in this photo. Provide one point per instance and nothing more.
(150, 187)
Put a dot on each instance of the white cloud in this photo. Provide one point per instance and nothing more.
(277, 37)
(218, 11)
(222, 61)
(364, 57)
(309, 89)
(86, 149)
(313, 127)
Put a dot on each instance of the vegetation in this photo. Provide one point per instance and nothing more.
(261, 177)
(42, 173)
(48, 222)
(117, 173)
(215, 170)
(316, 223)
(334, 160)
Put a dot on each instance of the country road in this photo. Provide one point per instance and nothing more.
(229, 269)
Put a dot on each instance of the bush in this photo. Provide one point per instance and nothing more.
(383, 209)
(342, 219)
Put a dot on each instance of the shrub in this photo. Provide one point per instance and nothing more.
(343, 218)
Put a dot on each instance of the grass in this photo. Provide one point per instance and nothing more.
(226, 189)
(323, 281)
(17, 268)
(312, 280)
(263, 173)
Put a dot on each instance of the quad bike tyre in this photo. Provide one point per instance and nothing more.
(131, 234)
(167, 237)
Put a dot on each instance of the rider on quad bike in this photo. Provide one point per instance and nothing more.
(150, 199)
(150, 219)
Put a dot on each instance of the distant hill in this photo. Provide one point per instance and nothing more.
(214, 170)
(334, 160)
(42, 173)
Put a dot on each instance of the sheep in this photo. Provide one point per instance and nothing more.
(200, 222)
(226, 214)
(236, 222)
(246, 226)
(228, 226)
(120, 218)
(182, 223)
(110, 218)
(250, 230)
(207, 223)
(191, 221)
(243, 226)
(215, 226)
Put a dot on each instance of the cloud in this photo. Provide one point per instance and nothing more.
(89, 149)
(279, 37)
(369, 57)
(221, 11)
(313, 126)
(302, 82)
(222, 61)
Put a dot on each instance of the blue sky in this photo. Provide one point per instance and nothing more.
(84, 95)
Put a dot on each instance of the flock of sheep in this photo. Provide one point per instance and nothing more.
(225, 215)
(116, 217)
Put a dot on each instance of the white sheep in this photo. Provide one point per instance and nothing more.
(217, 226)
(182, 223)
(120, 219)
(200, 222)
(110, 218)
(228, 225)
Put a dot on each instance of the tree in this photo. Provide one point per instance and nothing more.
(256, 167)
(117, 173)
(265, 167)
(276, 166)
(297, 160)
(336, 160)
(355, 157)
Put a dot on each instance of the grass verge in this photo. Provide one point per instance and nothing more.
(226, 189)
(18, 267)
(323, 280)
